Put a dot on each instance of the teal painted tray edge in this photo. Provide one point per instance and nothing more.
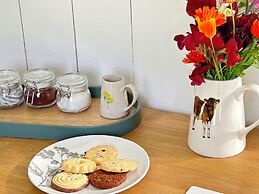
(59, 132)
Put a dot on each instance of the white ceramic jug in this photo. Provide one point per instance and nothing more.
(114, 100)
(217, 126)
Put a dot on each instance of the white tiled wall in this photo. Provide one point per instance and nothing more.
(103, 38)
(11, 41)
(131, 37)
(159, 73)
(49, 35)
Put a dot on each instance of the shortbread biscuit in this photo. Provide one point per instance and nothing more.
(106, 180)
(68, 182)
(101, 153)
(78, 165)
(118, 165)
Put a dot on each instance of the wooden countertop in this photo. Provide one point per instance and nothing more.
(174, 167)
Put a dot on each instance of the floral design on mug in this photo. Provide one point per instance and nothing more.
(107, 97)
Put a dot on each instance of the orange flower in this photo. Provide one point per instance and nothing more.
(255, 28)
(229, 1)
(208, 28)
(195, 57)
(208, 19)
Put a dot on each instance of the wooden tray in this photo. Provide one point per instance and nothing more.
(51, 123)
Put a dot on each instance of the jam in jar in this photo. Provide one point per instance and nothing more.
(40, 90)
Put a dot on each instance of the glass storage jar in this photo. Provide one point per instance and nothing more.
(40, 90)
(11, 91)
(73, 93)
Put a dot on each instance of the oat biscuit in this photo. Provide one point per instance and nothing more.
(118, 165)
(101, 153)
(78, 165)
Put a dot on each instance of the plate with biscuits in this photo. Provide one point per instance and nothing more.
(94, 164)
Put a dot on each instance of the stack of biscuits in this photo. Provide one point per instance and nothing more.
(100, 166)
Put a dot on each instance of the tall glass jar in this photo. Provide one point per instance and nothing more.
(11, 91)
(73, 94)
(40, 90)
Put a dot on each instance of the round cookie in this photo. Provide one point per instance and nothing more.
(78, 165)
(68, 182)
(118, 165)
(106, 180)
(101, 153)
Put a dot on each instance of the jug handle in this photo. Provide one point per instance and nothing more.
(134, 92)
(239, 95)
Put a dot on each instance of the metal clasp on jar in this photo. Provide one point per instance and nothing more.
(63, 94)
(30, 89)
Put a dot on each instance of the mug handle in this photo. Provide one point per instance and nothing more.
(238, 95)
(135, 95)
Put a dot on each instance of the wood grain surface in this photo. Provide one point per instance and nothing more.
(53, 116)
(174, 167)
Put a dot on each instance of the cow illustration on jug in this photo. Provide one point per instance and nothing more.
(204, 110)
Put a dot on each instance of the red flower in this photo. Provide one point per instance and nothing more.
(231, 46)
(221, 57)
(231, 50)
(195, 57)
(192, 40)
(198, 37)
(198, 74)
(190, 43)
(217, 42)
(186, 41)
(244, 36)
(195, 38)
(255, 28)
(193, 5)
(232, 59)
(180, 41)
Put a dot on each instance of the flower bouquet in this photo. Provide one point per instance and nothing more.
(223, 41)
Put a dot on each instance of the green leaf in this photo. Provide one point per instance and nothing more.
(242, 3)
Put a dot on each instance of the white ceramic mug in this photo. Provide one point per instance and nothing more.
(114, 100)
(217, 127)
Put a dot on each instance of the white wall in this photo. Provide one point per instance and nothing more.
(159, 73)
(48, 31)
(251, 99)
(11, 41)
(103, 38)
(131, 37)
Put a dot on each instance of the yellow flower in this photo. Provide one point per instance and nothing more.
(105, 93)
(107, 97)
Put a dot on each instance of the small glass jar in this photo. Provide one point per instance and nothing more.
(73, 93)
(11, 91)
(40, 90)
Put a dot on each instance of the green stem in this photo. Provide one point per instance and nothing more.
(214, 60)
(233, 20)
(247, 5)
(250, 50)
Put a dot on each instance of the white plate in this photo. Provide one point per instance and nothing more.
(47, 162)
